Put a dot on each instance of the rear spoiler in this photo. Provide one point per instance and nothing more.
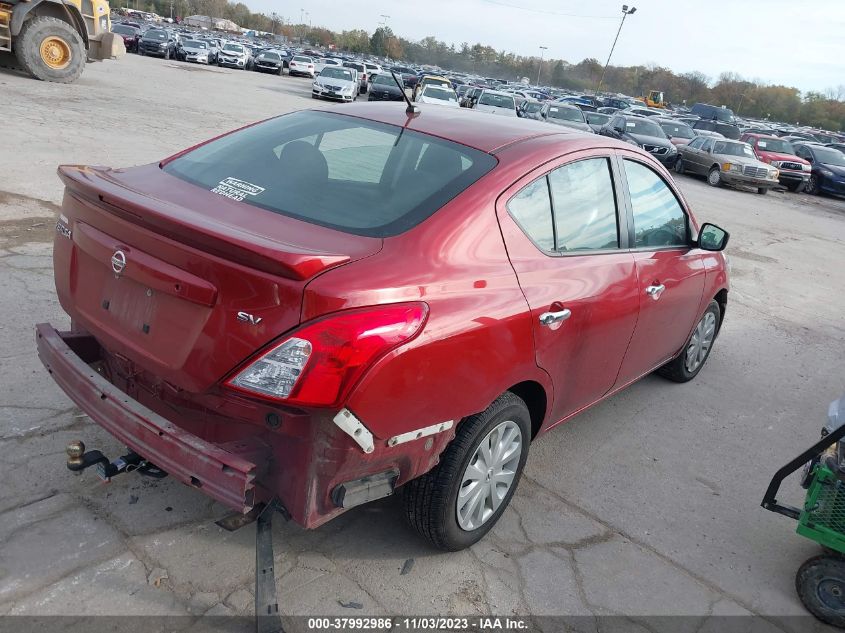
(94, 186)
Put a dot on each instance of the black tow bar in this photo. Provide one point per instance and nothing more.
(267, 617)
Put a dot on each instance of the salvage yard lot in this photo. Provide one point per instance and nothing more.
(648, 504)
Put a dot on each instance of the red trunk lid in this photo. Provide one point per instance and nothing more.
(194, 261)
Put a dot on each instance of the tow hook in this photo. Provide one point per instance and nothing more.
(78, 459)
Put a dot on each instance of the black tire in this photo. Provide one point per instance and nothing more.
(679, 166)
(762, 190)
(676, 369)
(817, 582)
(714, 181)
(167, 53)
(28, 49)
(141, 52)
(812, 186)
(795, 187)
(431, 500)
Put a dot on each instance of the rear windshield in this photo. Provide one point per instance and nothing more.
(336, 73)
(436, 92)
(345, 173)
(497, 101)
(566, 114)
(124, 30)
(155, 35)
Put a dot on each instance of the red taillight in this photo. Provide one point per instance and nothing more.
(318, 364)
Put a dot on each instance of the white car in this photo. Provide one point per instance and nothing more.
(373, 70)
(302, 65)
(439, 95)
(320, 63)
(234, 55)
(336, 82)
(496, 102)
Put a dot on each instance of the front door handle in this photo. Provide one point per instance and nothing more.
(550, 318)
(655, 291)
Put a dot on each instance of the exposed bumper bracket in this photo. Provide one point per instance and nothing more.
(354, 428)
(267, 618)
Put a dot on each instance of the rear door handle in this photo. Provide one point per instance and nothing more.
(655, 291)
(550, 318)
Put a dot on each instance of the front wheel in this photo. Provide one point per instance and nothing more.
(679, 166)
(812, 186)
(458, 501)
(820, 583)
(762, 190)
(714, 178)
(50, 49)
(689, 362)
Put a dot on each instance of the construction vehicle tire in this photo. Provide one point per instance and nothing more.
(51, 50)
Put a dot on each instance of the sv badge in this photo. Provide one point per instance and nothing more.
(249, 318)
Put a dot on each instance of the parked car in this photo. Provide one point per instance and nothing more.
(158, 43)
(471, 96)
(363, 78)
(234, 55)
(724, 161)
(438, 95)
(131, 36)
(713, 113)
(214, 46)
(193, 51)
(777, 152)
(529, 109)
(596, 120)
(408, 75)
(828, 168)
(708, 133)
(643, 111)
(336, 82)
(433, 80)
(322, 62)
(373, 70)
(495, 102)
(642, 132)
(385, 88)
(269, 62)
(566, 115)
(676, 131)
(301, 65)
(727, 130)
(283, 313)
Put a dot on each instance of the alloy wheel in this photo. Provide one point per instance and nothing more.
(489, 476)
(700, 342)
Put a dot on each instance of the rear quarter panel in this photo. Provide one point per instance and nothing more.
(477, 341)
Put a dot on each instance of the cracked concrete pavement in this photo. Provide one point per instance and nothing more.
(645, 505)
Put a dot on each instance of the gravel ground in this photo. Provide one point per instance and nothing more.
(647, 504)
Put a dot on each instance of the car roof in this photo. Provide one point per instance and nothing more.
(468, 127)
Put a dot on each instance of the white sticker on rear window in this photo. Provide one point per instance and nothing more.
(761, 144)
(236, 189)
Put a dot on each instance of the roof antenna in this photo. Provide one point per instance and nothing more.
(411, 110)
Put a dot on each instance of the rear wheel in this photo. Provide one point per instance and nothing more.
(51, 50)
(820, 583)
(689, 362)
(457, 502)
(714, 178)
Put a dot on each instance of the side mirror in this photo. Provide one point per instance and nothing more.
(712, 238)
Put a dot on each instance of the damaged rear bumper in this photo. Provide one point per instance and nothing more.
(222, 474)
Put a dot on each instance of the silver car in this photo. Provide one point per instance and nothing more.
(496, 102)
(724, 161)
(336, 82)
(565, 115)
(195, 51)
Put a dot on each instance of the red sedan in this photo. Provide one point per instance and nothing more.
(322, 307)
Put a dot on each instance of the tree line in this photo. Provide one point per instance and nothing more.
(746, 98)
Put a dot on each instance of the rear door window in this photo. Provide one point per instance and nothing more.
(532, 210)
(347, 173)
(584, 206)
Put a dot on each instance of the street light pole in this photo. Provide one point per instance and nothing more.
(385, 18)
(542, 50)
(625, 13)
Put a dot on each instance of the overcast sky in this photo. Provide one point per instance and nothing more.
(791, 42)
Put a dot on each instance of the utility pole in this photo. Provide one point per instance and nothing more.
(540, 67)
(625, 13)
